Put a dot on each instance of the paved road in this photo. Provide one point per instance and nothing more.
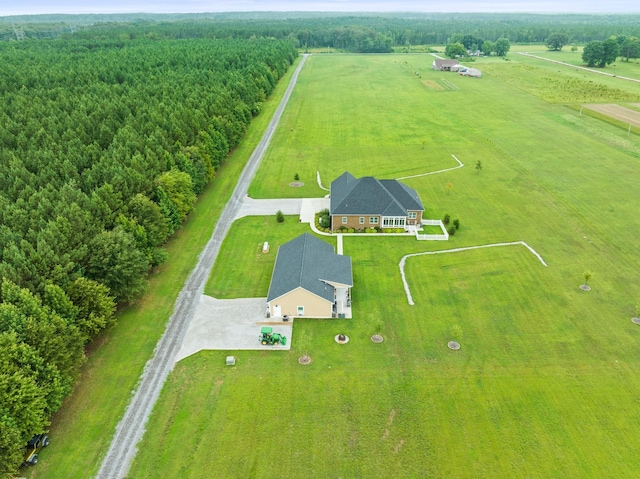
(131, 428)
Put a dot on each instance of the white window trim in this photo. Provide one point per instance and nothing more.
(412, 215)
(373, 220)
(344, 220)
(361, 220)
(299, 309)
(393, 222)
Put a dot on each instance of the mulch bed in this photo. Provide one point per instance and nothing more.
(585, 287)
(453, 345)
(635, 320)
(304, 360)
(296, 184)
(376, 338)
(344, 340)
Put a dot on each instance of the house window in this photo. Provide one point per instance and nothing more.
(393, 221)
(300, 310)
(344, 220)
(362, 220)
(373, 220)
(412, 215)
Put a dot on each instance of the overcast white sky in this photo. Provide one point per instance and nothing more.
(19, 7)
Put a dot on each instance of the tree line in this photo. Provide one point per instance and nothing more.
(104, 146)
(462, 45)
(352, 32)
(597, 52)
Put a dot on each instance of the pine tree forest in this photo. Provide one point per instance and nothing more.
(104, 147)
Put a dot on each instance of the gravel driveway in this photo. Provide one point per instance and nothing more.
(130, 429)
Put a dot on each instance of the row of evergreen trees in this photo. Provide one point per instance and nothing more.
(349, 32)
(104, 146)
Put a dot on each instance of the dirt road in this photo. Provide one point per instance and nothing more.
(627, 115)
(129, 431)
(599, 72)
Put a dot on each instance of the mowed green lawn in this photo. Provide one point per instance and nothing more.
(244, 246)
(546, 383)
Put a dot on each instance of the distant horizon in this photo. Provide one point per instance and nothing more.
(74, 7)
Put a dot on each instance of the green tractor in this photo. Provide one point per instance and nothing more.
(267, 336)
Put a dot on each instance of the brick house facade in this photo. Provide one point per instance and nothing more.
(373, 221)
(368, 202)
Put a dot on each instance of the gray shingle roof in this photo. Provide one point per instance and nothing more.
(370, 196)
(308, 262)
(445, 62)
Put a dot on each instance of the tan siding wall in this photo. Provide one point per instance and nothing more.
(314, 306)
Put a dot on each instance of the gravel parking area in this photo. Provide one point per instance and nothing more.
(230, 324)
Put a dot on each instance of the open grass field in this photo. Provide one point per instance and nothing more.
(547, 381)
(243, 246)
(530, 394)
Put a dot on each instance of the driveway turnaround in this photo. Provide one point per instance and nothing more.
(310, 206)
(306, 208)
(230, 324)
(251, 207)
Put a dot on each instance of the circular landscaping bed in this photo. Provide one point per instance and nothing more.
(296, 184)
(342, 338)
(376, 338)
(585, 287)
(453, 345)
(304, 359)
(635, 320)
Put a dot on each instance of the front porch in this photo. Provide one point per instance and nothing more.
(342, 304)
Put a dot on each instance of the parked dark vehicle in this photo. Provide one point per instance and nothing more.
(35, 444)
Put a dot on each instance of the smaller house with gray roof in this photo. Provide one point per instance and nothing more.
(309, 280)
(371, 203)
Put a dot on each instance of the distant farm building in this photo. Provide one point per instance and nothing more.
(446, 65)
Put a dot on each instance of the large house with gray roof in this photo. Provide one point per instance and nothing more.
(310, 280)
(371, 203)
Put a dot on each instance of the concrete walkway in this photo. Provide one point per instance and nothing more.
(320, 182)
(230, 324)
(340, 248)
(460, 165)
